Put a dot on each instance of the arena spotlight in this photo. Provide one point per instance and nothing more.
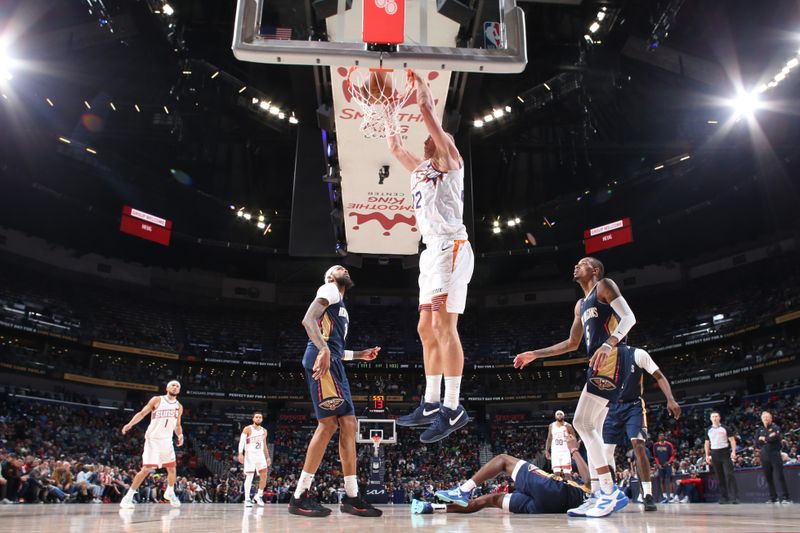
(167, 9)
(745, 104)
(496, 230)
(6, 64)
(478, 123)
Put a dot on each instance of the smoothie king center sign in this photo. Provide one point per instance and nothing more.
(379, 215)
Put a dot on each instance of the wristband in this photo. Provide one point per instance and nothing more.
(348, 355)
(609, 346)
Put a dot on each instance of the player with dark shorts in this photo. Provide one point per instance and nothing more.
(664, 455)
(326, 323)
(536, 491)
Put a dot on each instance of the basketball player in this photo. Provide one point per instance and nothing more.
(326, 322)
(627, 417)
(445, 269)
(536, 491)
(604, 319)
(253, 454)
(165, 419)
(556, 449)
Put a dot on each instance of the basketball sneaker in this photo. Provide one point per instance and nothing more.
(421, 507)
(357, 506)
(650, 503)
(307, 505)
(590, 502)
(446, 422)
(127, 502)
(259, 500)
(248, 502)
(423, 415)
(170, 496)
(608, 503)
(454, 495)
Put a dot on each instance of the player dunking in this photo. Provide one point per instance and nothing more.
(165, 419)
(604, 319)
(326, 322)
(253, 454)
(445, 269)
(556, 449)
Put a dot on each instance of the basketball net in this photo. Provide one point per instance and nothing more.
(376, 443)
(381, 108)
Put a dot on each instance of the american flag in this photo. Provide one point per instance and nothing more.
(271, 32)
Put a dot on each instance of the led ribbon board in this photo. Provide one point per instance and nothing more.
(608, 236)
(145, 226)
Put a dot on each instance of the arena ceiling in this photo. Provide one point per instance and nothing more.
(578, 153)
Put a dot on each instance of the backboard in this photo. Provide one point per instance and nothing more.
(367, 427)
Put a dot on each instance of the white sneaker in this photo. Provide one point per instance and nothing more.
(685, 499)
(173, 500)
(590, 502)
(608, 503)
(97, 500)
(127, 503)
(260, 500)
(248, 502)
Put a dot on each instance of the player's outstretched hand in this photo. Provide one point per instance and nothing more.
(524, 359)
(674, 409)
(369, 354)
(572, 443)
(599, 357)
(180, 440)
(323, 363)
(126, 428)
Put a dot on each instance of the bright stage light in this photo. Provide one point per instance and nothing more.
(745, 104)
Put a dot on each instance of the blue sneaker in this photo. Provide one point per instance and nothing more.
(421, 507)
(423, 415)
(454, 495)
(447, 421)
(608, 503)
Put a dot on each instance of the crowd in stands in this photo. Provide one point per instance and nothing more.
(59, 453)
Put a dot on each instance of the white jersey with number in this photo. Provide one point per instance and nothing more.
(163, 419)
(558, 444)
(438, 199)
(255, 442)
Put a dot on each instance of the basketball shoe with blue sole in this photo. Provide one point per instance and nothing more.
(455, 496)
(447, 421)
(423, 415)
(608, 503)
(421, 507)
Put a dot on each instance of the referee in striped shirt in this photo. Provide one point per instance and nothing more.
(720, 453)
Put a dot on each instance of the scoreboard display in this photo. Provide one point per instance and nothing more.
(146, 226)
(608, 236)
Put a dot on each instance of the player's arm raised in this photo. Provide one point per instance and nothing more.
(146, 410)
(179, 427)
(608, 292)
(314, 312)
(427, 107)
(574, 447)
(570, 345)
(401, 153)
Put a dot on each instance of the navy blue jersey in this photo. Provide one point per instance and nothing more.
(599, 321)
(631, 381)
(333, 325)
(663, 452)
(537, 492)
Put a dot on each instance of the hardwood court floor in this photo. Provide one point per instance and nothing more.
(221, 518)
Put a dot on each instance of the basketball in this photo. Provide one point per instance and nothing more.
(379, 86)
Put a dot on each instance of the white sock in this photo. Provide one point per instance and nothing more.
(452, 390)
(303, 484)
(170, 489)
(248, 484)
(606, 482)
(595, 484)
(433, 389)
(131, 493)
(467, 486)
(647, 488)
(351, 486)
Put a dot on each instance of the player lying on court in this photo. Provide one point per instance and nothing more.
(537, 492)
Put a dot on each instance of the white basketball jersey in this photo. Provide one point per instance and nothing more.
(559, 442)
(163, 419)
(255, 442)
(438, 199)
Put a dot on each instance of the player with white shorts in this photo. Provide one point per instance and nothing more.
(254, 455)
(556, 447)
(165, 419)
(445, 269)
